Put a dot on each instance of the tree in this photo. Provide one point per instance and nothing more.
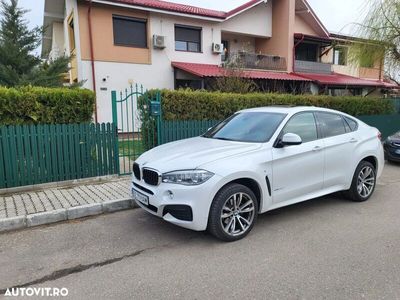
(18, 65)
(381, 29)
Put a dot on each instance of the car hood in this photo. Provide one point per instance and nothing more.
(192, 153)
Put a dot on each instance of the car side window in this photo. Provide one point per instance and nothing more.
(351, 123)
(331, 124)
(303, 125)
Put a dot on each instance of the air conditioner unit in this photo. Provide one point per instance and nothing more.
(158, 42)
(217, 48)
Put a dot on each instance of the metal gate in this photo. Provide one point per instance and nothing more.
(137, 115)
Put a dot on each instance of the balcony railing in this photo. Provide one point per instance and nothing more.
(312, 67)
(257, 61)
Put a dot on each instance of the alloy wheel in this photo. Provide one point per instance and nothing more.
(237, 214)
(366, 182)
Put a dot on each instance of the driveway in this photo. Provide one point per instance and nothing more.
(327, 248)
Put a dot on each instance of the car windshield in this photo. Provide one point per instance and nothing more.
(250, 127)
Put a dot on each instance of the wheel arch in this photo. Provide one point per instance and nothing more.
(371, 159)
(250, 183)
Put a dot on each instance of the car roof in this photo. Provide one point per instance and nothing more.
(289, 109)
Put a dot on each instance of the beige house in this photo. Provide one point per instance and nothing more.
(282, 43)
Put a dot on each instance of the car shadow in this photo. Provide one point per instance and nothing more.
(317, 205)
(393, 163)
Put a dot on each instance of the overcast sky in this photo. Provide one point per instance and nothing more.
(335, 14)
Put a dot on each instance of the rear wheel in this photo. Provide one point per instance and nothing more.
(233, 213)
(364, 182)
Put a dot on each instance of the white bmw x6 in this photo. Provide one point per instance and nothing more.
(255, 161)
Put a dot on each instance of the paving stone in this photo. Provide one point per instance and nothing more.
(10, 208)
(58, 204)
(46, 202)
(20, 204)
(37, 202)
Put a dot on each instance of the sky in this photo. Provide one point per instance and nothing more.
(337, 15)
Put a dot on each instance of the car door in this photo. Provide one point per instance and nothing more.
(340, 141)
(298, 170)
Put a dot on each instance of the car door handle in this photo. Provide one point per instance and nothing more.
(353, 140)
(317, 148)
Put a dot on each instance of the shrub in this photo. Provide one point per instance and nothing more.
(34, 105)
(201, 105)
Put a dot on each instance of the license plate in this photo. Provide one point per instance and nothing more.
(140, 197)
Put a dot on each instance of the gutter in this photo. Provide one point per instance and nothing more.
(92, 58)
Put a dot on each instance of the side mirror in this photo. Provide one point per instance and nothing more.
(291, 139)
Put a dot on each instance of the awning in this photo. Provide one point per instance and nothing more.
(206, 70)
(341, 80)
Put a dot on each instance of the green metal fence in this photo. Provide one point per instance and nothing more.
(387, 124)
(48, 153)
(177, 130)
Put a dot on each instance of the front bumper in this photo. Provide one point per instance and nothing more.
(188, 207)
(392, 153)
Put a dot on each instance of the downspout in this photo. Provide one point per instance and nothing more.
(294, 52)
(92, 58)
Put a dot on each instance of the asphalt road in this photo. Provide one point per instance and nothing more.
(326, 248)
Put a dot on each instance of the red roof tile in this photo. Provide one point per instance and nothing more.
(205, 70)
(336, 79)
(187, 9)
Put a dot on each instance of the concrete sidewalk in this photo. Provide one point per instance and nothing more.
(27, 209)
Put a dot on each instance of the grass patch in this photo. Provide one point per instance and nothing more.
(130, 148)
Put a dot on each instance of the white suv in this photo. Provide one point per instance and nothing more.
(255, 161)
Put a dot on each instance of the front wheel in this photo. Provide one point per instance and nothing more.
(363, 184)
(233, 213)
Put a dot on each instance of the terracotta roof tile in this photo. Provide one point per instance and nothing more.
(336, 79)
(187, 9)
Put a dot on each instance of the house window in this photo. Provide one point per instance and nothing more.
(130, 32)
(187, 38)
(307, 52)
(340, 56)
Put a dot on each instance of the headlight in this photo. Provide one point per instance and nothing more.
(187, 177)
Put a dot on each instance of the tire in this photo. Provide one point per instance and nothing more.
(357, 192)
(235, 223)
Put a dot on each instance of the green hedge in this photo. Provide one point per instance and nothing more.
(200, 105)
(34, 105)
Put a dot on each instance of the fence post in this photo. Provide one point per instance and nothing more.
(115, 128)
(159, 121)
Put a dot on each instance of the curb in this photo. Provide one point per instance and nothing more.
(59, 215)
